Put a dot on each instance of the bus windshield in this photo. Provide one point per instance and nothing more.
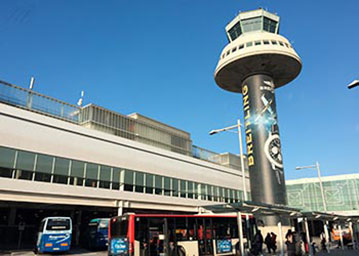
(58, 224)
(119, 227)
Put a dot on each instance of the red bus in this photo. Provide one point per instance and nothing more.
(176, 235)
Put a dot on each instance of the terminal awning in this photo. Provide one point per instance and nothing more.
(257, 209)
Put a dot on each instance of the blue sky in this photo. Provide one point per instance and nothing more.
(157, 58)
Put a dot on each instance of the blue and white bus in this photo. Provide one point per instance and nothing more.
(97, 233)
(54, 235)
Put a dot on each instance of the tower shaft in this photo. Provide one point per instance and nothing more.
(263, 143)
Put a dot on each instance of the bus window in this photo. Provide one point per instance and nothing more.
(58, 224)
(119, 227)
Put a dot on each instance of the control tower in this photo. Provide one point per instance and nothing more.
(255, 62)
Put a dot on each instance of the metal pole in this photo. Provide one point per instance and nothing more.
(341, 235)
(308, 236)
(240, 232)
(245, 196)
(242, 161)
(321, 187)
(281, 238)
(326, 235)
(353, 236)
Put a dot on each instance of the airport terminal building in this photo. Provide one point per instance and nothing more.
(89, 162)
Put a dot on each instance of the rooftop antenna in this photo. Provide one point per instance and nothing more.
(79, 102)
(32, 81)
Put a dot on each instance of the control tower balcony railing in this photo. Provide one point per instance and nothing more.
(95, 117)
(36, 102)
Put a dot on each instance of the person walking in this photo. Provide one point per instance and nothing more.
(257, 244)
(290, 244)
(274, 241)
(268, 242)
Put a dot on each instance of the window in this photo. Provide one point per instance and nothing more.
(91, 175)
(174, 187)
(203, 192)
(274, 42)
(116, 178)
(128, 180)
(77, 173)
(7, 157)
(235, 31)
(257, 42)
(190, 189)
(286, 45)
(228, 52)
(210, 192)
(139, 182)
(265, 42)
(241, 46)
(234, 49)
(281, 43)
(183, 188)
(158, 185)
(43, 168)
(167, 186)
(61, 170)
(248, 44)
(149, 183)
(5, 172)
(105, 176)
(252, 24)
(25, 161)
(269, 25)
(223, 55)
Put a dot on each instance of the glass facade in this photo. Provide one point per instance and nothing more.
(18, 164)
(253, 24)
(340, 195)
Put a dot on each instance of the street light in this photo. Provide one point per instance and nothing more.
(353, 84)
(229, 128)
(316, 166)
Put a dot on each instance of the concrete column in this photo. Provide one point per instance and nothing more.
(326, 235)
(281, 238)
(119, 208)
(341, 235)
(240, 232)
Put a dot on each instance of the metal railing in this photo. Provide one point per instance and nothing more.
(33, 101)
(36, 102)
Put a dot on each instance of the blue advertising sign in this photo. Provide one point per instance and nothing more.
(119, 246)
(224, 246)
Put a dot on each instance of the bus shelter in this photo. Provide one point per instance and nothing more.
(257, 210)
(326, 217)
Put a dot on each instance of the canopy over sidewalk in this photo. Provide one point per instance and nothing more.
(261, 209)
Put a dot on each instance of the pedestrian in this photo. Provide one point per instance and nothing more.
(290, 244)
(257, 244)
(268, 242)
(289, 232)
(274, 241)
(323, 242)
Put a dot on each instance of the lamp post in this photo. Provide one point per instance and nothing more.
(353, 84)
(229, 128)
(245, 197)
(316, 166)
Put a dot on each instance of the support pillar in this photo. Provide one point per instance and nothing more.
(353, 235)
(240, 232)
(281, 238)
(326, 235)
(264, 154)
(308, 236)
(341, 235)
